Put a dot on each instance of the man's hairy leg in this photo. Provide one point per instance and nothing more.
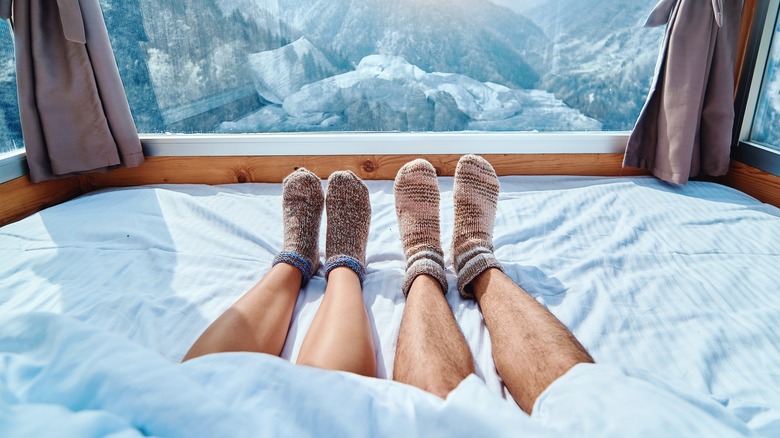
(432, 353)
(531, 347)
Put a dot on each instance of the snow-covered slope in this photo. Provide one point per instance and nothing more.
(279, 73)
(592, 55)
(601, 58)
(194, 49)
(386, 93)
(264, 13)
(472, 37)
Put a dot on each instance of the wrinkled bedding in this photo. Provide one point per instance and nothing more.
(673, 290)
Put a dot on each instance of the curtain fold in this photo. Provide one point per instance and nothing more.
(74, 111)
(684, 128)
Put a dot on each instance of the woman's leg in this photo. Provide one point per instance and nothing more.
(259, 320)
(340, 337)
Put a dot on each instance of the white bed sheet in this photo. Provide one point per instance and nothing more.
(680, 281)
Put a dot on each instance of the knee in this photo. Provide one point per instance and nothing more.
(439, 384)
(441, 389)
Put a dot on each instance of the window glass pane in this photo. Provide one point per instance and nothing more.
(766, 126)
(375, 65)
(10, 127)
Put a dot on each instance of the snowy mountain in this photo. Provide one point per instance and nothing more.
(194, 50)
(601, 65)
(521, 6)
(265, 14)
(601, 58)
(386, 93)
(189, 65)
(280, 72)
(471, 37)
(128, 39)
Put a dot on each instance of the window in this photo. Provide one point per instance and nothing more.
(258, 66)
(757, 139)
(766, 126)
(10, 127)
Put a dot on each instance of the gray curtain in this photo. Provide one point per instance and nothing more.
(684, 129)
(74, 111)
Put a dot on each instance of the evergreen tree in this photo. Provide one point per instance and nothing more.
(128, 36)
(10, 125)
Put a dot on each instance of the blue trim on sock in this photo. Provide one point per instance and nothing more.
(294, 259)
(348, 262)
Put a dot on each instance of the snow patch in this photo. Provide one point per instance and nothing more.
(281, 72)
(386, 93)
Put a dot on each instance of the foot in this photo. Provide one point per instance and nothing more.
(302, 202)
(417, 206)
(476, 198)
(349, 217)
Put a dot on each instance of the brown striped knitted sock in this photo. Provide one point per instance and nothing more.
(349, 217)
(302, 201)
(417, 206)
(476, 197)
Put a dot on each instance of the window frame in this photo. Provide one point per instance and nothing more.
(749, 89)
(13, 165)
(385, 143)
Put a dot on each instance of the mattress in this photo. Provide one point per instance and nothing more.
(678, 281)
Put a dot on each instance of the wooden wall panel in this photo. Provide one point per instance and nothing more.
(759, 184)
(748, 13)
(227, 170)
(20, 198)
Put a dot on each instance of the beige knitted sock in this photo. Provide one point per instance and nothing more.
(302, 201)
(349, 217)
(475, 196)
(417, 206)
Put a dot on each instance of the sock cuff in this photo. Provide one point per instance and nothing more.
(294, 259)
(425, 266)
(348, 262)
(471, 264)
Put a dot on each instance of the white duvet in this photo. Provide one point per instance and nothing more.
(668, 287)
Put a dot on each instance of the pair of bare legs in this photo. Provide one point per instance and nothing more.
(531, 348)
(340, 336)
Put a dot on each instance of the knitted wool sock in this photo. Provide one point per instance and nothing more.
(417, 206)
(476, 196)
(302, 202)
(349, 216)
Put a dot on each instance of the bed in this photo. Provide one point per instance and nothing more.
(101, 297)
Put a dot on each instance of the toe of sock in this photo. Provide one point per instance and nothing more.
(417, 165)
(474, 163)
